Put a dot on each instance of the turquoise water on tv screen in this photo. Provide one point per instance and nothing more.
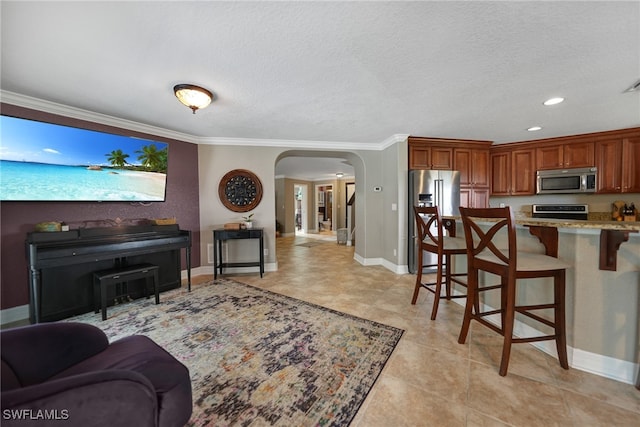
(49, 182)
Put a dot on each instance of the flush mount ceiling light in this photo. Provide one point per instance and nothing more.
(339, 174)
(194, 97)
(553, 101)
(534, 128)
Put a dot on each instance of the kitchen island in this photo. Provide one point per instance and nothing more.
(603, 325)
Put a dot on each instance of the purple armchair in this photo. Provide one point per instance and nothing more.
(69, 372)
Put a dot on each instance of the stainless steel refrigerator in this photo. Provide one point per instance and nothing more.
(430, 188)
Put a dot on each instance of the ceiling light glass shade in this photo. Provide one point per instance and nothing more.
(194, 97)
(553, 101)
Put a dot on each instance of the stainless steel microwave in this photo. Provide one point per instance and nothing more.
(560, 181)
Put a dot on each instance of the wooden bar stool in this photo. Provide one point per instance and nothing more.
(432, 239)
(484, 254)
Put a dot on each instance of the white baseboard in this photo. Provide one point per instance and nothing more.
(398, 269)
(597, 364)
(208, 269)
(14, 314)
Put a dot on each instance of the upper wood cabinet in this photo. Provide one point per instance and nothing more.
(424, 156)
(438, 153)
(567, 155)
(470, 157)
(631, 164)
(513, 172)
(501, 173)
(618, 162)
(609, 164)
(473, 165)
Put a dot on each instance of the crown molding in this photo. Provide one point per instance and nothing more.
(393, 139)
(90, 116)
(290, 143)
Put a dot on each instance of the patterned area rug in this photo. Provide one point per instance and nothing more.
(259, 358)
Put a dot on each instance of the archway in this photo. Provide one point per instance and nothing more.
(348, 167)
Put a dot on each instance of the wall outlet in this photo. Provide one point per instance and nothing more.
(210, 253)
(266, 252)
(502, 205)
(395, 252)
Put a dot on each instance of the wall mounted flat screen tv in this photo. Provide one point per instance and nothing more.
(47, 162)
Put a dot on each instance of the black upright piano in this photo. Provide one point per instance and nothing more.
(61, 264)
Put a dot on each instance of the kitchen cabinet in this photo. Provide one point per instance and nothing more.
(474, 198)
(618, 162)
(631, 165)
(567, 155)
(473, 165)
(513, 172)
(424, 156)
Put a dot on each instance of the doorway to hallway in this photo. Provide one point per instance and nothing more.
(300, 197)
(324, 208)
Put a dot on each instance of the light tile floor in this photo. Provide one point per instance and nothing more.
(431, 380)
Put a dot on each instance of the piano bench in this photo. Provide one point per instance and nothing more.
(105, 278)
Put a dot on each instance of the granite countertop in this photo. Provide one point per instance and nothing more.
(574, 223)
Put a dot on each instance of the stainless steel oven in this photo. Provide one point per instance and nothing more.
(560, 181)
(560, 211)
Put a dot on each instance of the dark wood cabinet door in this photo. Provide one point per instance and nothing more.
(631, 165)
(473, 166)
(441, 158)
(465, 197)
(523, 175)
(500, 173)
(474, 198)
(579, 155)
(480, 168)
(480, 198)
(462, 163)
(609, 164)
(549, 157)
(419, 157)
(569, 155)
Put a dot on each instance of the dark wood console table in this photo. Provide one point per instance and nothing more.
(61, 264)
(220, 235)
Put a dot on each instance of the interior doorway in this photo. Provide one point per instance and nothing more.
(324, 208)
(301, 223)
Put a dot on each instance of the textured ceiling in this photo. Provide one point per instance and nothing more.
(322, 73)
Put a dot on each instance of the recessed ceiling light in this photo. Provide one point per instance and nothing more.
(534, 128)
(553, 101)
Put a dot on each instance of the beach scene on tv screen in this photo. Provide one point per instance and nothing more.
(47, 162)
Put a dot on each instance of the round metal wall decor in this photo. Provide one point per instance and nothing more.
(240, 190)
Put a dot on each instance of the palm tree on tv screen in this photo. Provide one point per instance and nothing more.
(152, 158)
(117, 158)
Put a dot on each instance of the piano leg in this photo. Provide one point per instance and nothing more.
(34, 295)
(188, 254)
